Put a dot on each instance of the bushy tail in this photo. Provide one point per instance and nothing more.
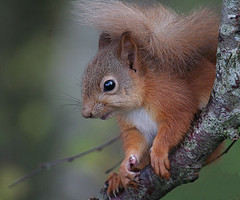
(178, 42)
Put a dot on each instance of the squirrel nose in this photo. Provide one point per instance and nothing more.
(86, 113)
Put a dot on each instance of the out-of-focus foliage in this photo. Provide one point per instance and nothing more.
(43, 52)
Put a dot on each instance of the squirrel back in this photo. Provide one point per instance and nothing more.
(167, 40)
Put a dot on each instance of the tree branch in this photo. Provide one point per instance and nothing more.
(50, 164)
(218, 121)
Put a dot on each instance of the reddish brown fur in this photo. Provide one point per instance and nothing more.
(165, 64)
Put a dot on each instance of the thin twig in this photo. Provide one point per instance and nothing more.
(113, 167)
(50, 164)
(225, 152)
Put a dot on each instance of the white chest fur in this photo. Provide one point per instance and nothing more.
(141, 119)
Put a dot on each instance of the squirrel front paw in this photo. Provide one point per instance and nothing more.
(160, 162)
(129, 172)
(129, 176)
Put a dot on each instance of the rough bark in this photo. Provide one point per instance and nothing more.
(218, 121)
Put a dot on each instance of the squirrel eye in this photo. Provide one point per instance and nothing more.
(109, 85)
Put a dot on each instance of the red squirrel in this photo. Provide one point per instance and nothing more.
(154, 70)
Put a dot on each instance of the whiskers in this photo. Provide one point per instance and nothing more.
(72, 102)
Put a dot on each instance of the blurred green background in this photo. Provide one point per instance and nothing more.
(43, 52)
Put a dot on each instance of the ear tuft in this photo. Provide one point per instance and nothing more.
(104, 40)
(128, 49)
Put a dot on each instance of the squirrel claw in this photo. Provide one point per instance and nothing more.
(113, 185)
(134, 184)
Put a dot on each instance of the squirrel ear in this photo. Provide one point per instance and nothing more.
(104, 40)
(128, 50)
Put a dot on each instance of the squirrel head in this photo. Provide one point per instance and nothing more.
(113, 80)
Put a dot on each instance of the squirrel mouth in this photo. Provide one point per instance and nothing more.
(106, 116)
